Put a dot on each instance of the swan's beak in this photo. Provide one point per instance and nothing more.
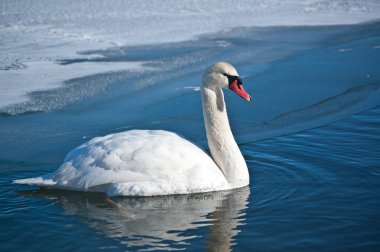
(238, 89)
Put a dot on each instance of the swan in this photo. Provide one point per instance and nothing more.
(158, 162)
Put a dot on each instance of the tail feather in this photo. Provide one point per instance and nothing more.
(44, 181)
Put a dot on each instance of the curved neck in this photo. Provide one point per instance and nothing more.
(224, 150)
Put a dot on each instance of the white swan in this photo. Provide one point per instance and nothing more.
(156, 162)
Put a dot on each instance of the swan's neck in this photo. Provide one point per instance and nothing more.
(224, 150)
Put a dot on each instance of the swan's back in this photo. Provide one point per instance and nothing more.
(137, 162)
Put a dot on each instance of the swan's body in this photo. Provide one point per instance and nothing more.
(146, 163)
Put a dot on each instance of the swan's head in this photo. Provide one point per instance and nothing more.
(224, 75)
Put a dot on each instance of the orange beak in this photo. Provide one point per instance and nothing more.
(239, 90)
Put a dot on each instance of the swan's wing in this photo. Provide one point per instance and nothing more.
(139, 162)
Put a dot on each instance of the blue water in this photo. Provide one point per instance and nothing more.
(311, 140)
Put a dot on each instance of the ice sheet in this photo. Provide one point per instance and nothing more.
(34, 35)
(44, 75)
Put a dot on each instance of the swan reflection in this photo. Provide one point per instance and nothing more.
(164, 222)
